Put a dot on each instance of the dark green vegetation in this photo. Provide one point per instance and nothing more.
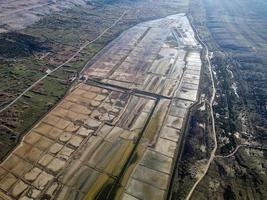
(240, 177)
(15, 44)
(26, 55)
(195, 151)
(235, 31)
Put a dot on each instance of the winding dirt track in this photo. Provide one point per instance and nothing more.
(238, 147)
(212, 156)
(233, 153)
(66, 62)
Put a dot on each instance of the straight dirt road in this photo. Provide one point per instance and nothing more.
(66, 62)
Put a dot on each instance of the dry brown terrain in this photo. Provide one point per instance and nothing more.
(17, 14)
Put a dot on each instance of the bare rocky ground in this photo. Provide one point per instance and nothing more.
(17, 14)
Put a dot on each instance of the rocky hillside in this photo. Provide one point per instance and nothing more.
(16, 14)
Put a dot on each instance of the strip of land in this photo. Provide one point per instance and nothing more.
(114, 136)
